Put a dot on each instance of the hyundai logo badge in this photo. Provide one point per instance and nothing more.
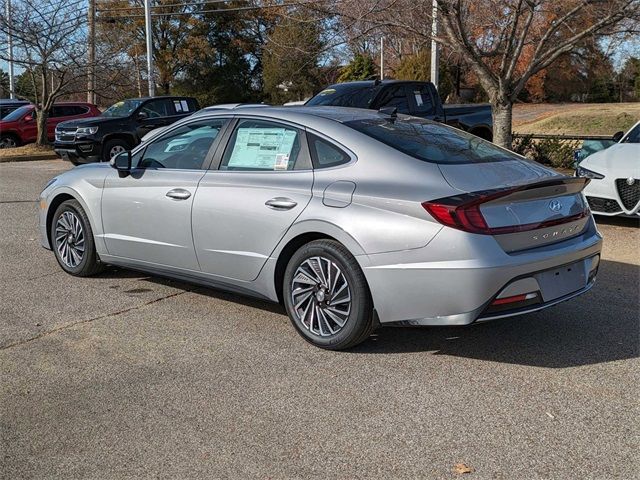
(555, 205)
(631, 181)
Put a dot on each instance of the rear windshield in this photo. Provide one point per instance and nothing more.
(430, 141)
(345, 95)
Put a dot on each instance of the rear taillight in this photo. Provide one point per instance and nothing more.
(463, 212)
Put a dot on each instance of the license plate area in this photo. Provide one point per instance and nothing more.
(563, 280)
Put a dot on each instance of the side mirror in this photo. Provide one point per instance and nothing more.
(617, 136)
(28, 118)
(122, 163)
(142, 115)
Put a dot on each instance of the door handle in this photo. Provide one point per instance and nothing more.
(280, 203)
(179, 194)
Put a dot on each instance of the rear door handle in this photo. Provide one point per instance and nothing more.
(179, 194)
(281, 203)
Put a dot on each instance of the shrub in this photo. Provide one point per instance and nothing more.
(555, 152)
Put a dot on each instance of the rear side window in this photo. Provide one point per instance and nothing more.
(431, 141)
(258, 145)
(422, 97)
(325, 154)
(183, 105)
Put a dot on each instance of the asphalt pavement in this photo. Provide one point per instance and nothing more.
(129, 376)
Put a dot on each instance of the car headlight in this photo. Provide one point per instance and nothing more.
(86, 130)
(583, 172)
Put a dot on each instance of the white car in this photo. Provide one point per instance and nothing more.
(615, 177)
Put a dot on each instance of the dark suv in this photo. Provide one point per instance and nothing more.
(119, 128)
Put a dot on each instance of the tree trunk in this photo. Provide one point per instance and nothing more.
(502, 110)
(41, 121)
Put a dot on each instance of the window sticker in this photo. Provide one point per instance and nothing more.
(185, 107)
(418, 96)
(177, 106)
(262, 148)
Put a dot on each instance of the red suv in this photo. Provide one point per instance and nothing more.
(20, 127)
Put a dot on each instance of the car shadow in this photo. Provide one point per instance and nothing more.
(600, 326)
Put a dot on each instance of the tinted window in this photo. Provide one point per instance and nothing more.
(56, 112)
(325, 154)
(156, 108)
(633, 136)
(257, 145)
(183, 106)
(395, 97)
(422, 97)
(122, 109)
(346, 95)
(18, 113)
(430, 141)
(184, 148)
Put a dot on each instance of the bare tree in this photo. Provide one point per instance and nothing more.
(505, 42)
(49, 42)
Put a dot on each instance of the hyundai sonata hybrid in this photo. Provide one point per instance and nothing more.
(350, 218)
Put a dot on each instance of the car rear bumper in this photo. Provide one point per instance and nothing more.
(418, 287)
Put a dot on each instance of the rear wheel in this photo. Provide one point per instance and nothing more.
(72, 240)
(327, 297)
(113, 147)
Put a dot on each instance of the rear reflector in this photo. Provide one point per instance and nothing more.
(514, 299)
(463, 211)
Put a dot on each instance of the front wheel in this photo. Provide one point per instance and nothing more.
(327, 297)
(8, 141)
(72, 240)
(114, 147)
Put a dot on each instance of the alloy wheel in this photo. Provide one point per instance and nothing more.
(70, 239)
(321, 296)
(116, 150)
(8, 142)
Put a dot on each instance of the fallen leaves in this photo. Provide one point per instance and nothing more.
(461, 468)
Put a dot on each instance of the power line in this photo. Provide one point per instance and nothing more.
(169, 5)
(221, 10)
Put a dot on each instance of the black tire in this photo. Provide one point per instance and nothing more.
(359, 323)
(90, 263)
(8, 140)
(110, 145)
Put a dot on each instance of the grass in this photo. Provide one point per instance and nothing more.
(30, 150)
(577, 119)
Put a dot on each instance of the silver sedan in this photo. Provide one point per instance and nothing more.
(350, 218)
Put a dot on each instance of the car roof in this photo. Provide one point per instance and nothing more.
(337, 114)
(160, 97)
(372, 83)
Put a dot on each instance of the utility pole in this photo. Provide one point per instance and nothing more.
(7, 7)
(147, 28)
(435, 52)
(381, 58)
(91, 82)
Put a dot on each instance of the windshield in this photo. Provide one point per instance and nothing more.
(430, 141)
(122, 109)
(18, 113)
(345, 95)
(633, 136)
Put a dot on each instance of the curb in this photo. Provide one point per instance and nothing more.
(28, 158)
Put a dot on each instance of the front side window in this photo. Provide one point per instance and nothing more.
(122, 109)
(156, 109)
(395, 97)
(430, 141)
(258, 145)
(184, 148)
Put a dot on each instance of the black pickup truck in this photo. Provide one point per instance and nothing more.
(419, 99)
(119, 128)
